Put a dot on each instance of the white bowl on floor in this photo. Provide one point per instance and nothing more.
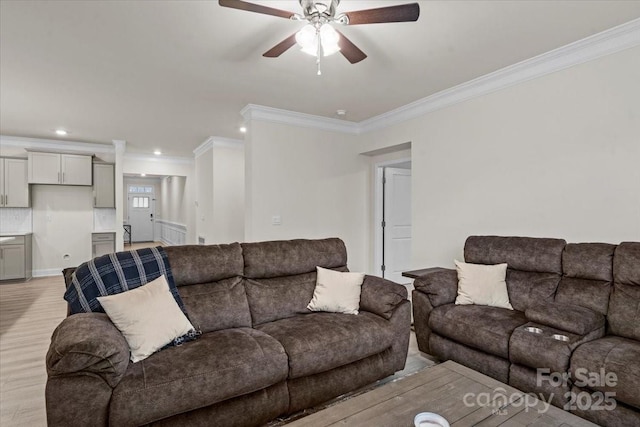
(429, 419)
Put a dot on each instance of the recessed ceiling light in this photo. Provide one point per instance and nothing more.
(243, 129)
(61, 132)
(143, 174)
(157, 152)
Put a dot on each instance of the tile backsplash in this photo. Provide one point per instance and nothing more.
(16, 220)
(104, 219)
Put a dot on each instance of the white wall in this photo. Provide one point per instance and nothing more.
(228, 195)
(314, 180)
(558, 156)
(220, 195)
(204, 195)
(62, 225)
(173, 190)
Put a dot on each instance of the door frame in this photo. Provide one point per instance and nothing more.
(378, 212)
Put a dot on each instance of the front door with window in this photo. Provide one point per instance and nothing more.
(141, 214)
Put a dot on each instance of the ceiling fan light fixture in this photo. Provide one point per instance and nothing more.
(307, 39)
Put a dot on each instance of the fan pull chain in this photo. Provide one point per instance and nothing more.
(319, 54)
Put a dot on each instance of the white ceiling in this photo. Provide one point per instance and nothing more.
(168, 74)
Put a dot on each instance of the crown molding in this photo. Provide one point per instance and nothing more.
(56, 145)
(614, 40)
(605, 43)
(158, 159)
(218, 141)
(293, 118)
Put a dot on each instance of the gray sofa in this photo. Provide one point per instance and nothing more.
(262, 354)
(587, 292)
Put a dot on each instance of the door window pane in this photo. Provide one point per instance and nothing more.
(140, 202)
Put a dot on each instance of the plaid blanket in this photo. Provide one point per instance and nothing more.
(114, 273)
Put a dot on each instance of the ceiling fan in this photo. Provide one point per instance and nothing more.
(319, 37)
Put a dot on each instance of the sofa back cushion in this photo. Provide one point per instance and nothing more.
(209, 280)
(290, 257)
(281, 276)
(192, 264)
(587, 275)
(624, 306)
(534, 265)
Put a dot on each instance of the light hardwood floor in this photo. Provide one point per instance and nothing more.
(29, 312)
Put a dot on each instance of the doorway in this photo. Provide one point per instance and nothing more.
(393, 225)
(141, 209)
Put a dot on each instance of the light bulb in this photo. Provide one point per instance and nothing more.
(329, 38)
(307, 38)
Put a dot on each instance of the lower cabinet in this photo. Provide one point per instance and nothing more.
(102, 244)
(15, 257)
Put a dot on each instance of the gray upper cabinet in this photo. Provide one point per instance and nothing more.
(104, 188)
(64, 169)
(14, 188)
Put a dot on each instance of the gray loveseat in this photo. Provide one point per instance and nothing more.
(262, 354)
(587, 294)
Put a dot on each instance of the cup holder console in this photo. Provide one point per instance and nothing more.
(538, 331)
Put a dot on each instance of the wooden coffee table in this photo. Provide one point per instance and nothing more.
(462, 396)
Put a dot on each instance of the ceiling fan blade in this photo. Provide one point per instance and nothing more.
(350, 50)
(281, 47)
(251, 7)
(400, 13)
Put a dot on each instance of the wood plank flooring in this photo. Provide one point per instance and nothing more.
(29, 312)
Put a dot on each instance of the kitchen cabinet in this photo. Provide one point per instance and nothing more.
(62, 169)
(14, 187)
(102, 244)
(15, 256)
(104, 186)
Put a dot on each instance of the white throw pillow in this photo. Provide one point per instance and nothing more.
(336, 292)
(482, 285)
(148, 317)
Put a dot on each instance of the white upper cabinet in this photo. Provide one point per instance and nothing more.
(76, 169)
(14, 188)
(104, 188)
(54, 168)
(44, 168)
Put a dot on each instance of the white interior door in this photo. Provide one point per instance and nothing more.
(141, 217)
(397, 223)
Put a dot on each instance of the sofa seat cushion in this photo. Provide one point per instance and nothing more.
(318, 342)
(611, 355)
(218, 366)
(481, 327)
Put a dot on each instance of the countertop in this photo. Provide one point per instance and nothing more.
(15, 233)
(102, 231)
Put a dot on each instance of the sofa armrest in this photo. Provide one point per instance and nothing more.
(571, 318)
(381, 296)
(440, 286)
(88, 343)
